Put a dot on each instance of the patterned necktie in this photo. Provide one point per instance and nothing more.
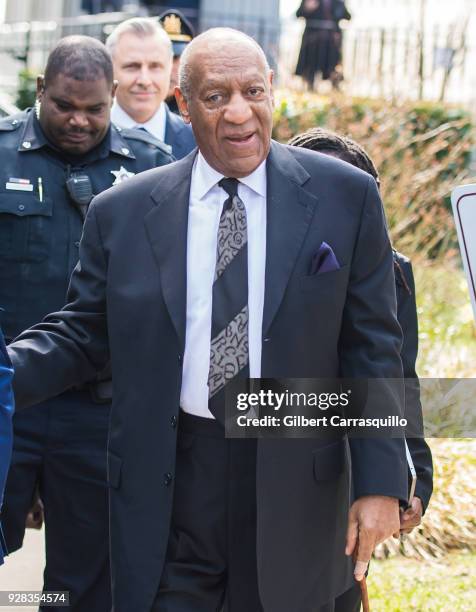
(229, 337)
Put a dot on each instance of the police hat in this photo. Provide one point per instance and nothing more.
(178, 28)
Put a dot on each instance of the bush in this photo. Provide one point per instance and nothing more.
(421, 150)
(26, 92)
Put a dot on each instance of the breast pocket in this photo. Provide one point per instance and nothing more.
(25, 227)
(324, 281)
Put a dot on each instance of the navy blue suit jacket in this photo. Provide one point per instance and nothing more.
(6, 433)
(178, 135)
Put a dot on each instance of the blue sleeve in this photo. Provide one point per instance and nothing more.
(6, 428)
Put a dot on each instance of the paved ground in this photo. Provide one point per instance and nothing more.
(23, 569)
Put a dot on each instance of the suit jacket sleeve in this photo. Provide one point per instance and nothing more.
(6, 429)
(407, 316)
(68, 347)
(369, 348)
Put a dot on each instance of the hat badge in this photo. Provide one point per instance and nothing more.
(172, 24)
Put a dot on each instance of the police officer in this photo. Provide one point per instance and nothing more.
(52, 161)
(181, 32)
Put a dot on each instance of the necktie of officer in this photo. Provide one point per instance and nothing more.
(229, 337)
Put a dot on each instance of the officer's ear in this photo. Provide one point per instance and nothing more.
(182, 104)
(40, 87)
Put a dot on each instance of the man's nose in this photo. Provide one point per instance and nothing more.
(79, 120)
(238, 110)
(144, 77)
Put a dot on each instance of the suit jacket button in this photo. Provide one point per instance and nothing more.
(173, 421)
(167, 479)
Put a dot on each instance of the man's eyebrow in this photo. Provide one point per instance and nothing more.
(58, 100)
(211, 83)
(223, 83)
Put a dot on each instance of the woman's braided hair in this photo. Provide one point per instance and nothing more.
(330, 143)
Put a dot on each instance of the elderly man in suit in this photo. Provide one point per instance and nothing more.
(142, 57)
(190, 276)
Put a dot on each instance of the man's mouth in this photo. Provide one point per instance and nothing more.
(144, 94)
(241, 139)
(76, 136)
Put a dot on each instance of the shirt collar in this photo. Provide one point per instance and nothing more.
(207, 177)
(155, 125)
(33, 138)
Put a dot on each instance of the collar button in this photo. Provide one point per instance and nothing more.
(26, 144)
(125, 151)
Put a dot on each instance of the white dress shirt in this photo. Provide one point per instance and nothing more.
(155, 125)
(206, 203)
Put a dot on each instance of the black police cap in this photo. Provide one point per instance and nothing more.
(178, 28)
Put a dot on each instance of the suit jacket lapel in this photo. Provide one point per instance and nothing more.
(290, 209)
(173, 126)
(166, 227)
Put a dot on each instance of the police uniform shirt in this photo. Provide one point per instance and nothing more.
(40, 227)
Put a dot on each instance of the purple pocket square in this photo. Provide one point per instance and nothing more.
(324, 260)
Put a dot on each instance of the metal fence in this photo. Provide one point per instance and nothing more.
(436, 63)
(27, 44)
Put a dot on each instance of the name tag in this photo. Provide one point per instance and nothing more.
(19, 184)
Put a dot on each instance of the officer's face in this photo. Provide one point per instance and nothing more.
(142, 67)
(75, 114)
(230, 105)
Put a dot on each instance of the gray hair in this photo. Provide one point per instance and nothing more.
(185, 69)
(141, 27)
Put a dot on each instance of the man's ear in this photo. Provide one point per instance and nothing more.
(40, 87)
(182, 105)
(271, 90)
(113, 89)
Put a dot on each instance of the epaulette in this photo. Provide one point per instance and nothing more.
(143, 136)
(12, 122)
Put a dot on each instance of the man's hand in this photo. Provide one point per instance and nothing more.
(372, 519)
(411, 518)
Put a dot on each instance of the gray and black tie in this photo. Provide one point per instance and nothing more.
(229, 337)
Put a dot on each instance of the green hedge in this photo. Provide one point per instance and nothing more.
(422, 150)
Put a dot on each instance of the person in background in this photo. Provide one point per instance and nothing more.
(180, 32)
(321, 46)
(54, 159)
(142, 57)
(6, 428)
(342, 147)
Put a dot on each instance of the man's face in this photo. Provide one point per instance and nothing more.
(74, 115)
(142, 68)
(230, 106)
